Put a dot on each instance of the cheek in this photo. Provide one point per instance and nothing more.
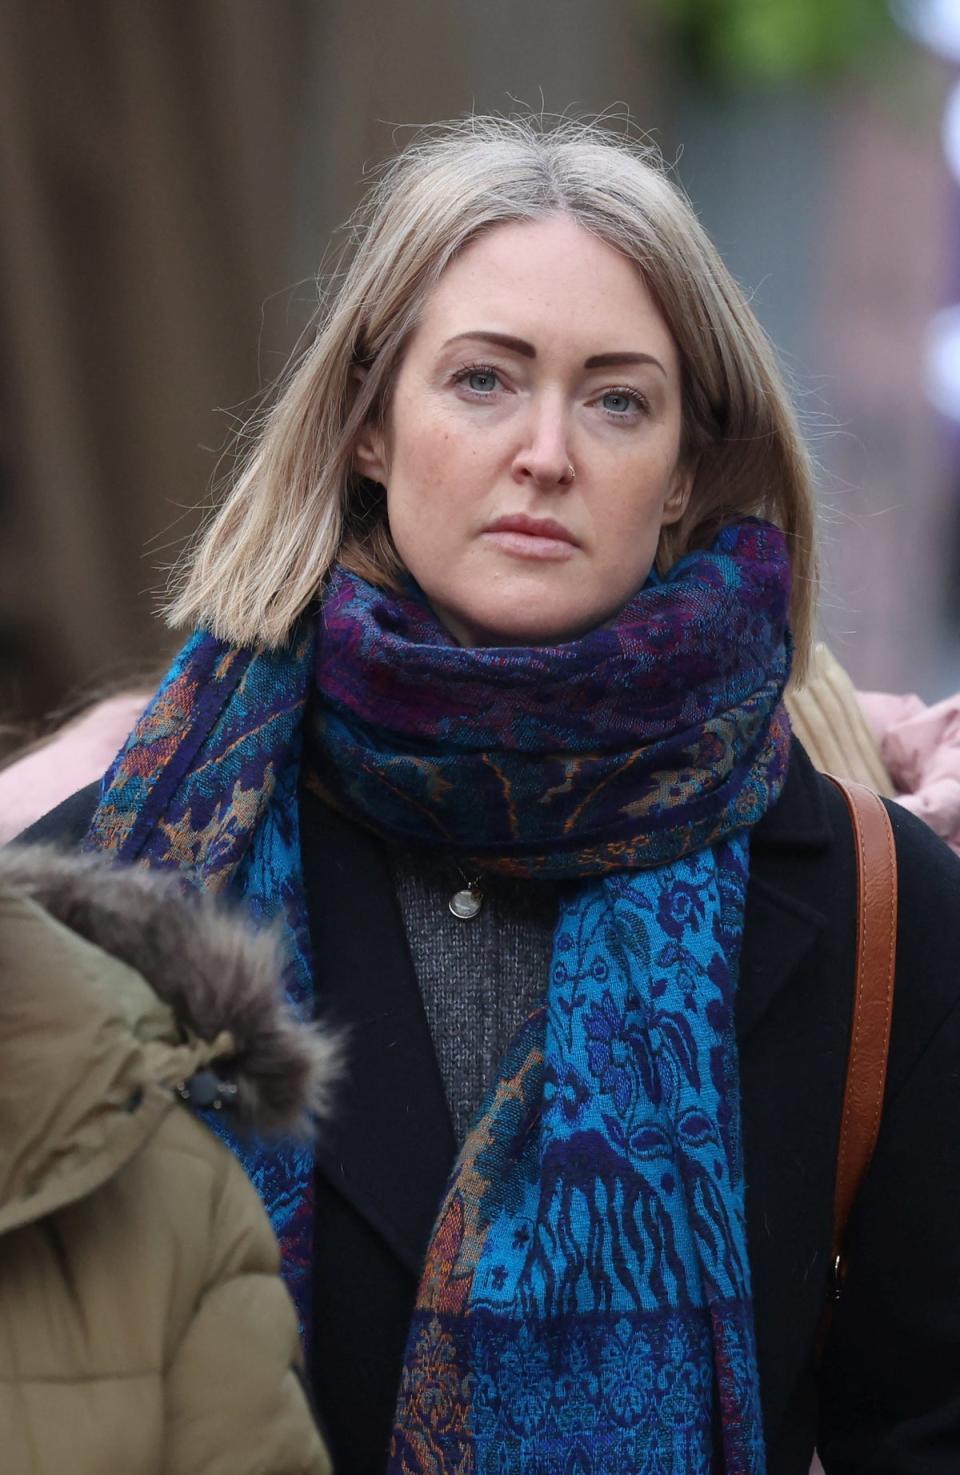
(422, 447)
(628, 528)
(418, 499)
(415, 491)
(635, 512)
(431, 483)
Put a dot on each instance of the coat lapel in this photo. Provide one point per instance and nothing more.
(389, 1145)
(781, 925)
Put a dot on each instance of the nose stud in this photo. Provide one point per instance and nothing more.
(571, 471)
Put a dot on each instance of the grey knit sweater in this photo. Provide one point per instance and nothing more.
(480, 978)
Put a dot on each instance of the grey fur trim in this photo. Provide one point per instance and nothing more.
(214, 970)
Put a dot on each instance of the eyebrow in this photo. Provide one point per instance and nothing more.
(521, 346)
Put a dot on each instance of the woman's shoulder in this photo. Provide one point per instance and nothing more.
(928, 870)
(803, 857)
(927, 972)
(812, 815)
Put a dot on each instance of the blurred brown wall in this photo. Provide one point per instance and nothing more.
(169, 169)
(146, 169)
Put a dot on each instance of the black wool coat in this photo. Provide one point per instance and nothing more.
(884, 1396)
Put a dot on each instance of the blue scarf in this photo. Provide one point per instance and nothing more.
(206, 787)
(586, 1298)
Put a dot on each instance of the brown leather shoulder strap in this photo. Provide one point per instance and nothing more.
(873, 997)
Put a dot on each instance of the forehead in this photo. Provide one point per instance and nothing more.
(553, 282)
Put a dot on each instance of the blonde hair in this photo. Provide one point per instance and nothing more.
(298, 503)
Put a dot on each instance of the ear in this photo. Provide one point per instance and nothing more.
(370, 448)
(676, 504)
(370, 454)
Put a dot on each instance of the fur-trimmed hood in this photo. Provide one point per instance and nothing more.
(116, 989)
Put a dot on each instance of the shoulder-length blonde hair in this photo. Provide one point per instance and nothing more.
(299, 504)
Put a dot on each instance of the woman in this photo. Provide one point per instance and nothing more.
(486, 704)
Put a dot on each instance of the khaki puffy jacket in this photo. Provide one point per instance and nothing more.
(144, 1329)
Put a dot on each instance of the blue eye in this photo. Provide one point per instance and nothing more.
(618, 403)
(482, 381)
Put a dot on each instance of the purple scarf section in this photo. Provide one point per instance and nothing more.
(643, 740)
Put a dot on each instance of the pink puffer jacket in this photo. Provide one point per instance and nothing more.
(920, 746)
(68, 761)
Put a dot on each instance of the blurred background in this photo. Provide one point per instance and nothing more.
(174, 173)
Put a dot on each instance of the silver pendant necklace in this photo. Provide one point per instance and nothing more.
(466, 902)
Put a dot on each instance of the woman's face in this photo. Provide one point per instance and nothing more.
(530, 454)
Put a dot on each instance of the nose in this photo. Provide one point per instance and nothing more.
(544, 458)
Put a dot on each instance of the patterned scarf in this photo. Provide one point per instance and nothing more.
(586, 1300)
(206, 786)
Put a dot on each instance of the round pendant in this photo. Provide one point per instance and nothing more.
(465, 904)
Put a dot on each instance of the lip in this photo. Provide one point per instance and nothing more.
(532, 537)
